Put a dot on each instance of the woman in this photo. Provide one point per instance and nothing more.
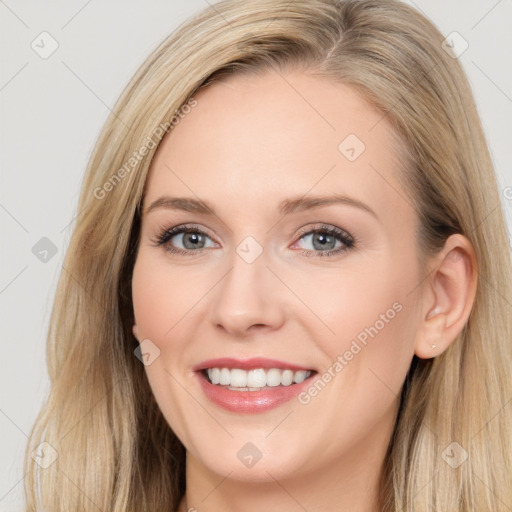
(280, 292)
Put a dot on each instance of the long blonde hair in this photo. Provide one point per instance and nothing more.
(115, 450)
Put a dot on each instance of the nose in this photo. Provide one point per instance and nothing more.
(248, 299)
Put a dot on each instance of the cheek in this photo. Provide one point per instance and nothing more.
(364, 303)
(161, 295)
(372, 319)
(372, 315)
(160, 301)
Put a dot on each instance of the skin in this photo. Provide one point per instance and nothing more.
(251, 142)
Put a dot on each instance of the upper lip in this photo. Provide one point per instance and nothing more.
(248, 364)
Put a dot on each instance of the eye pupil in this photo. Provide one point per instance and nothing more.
(192, 240)
(323, 239)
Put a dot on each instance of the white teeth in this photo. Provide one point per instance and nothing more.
(238, 378)
(225, 376)
(214, 375)
(287, 378)
(273, 377)
(254, 380)
(300, 376)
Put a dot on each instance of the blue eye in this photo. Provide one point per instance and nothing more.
(191, 238)
(326, 240)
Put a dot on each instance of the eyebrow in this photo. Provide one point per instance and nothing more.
(286, 206)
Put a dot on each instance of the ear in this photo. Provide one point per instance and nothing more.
(135, 332)
(449, 296)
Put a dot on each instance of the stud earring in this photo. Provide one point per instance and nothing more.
(434, 346)
(434, 312)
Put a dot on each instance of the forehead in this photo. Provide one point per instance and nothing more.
(253, 140)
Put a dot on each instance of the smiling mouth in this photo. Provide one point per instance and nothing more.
(258, 379)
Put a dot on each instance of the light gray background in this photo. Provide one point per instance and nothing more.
(52, 111)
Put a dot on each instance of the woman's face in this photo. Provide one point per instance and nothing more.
(270, 285)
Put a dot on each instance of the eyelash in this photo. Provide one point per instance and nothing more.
(348, 241)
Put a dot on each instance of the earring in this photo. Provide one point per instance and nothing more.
(434, 346)
(434, 312)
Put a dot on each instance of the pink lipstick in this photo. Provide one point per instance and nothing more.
(251, 385)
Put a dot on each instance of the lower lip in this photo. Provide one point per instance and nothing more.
(250, 401)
